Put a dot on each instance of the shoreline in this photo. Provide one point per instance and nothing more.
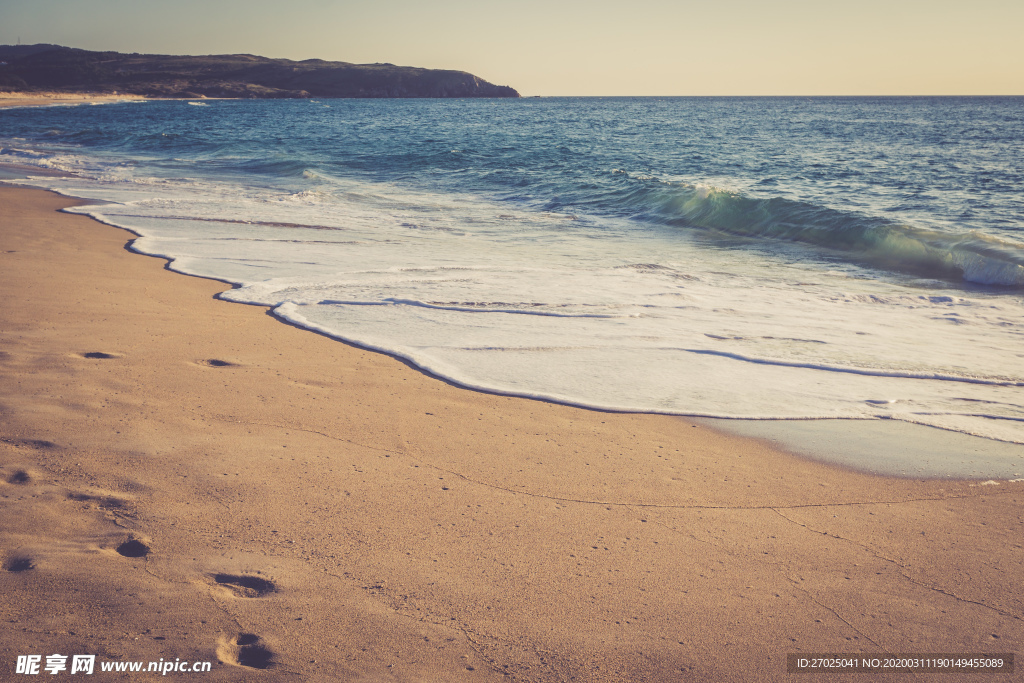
(47, 99)
(908, 449)
(914, 400)
(311, 509)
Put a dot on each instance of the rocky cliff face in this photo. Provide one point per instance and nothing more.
(51, 67)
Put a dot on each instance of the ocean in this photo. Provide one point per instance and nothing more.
(760, 259)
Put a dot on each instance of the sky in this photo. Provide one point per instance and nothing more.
(583, 47)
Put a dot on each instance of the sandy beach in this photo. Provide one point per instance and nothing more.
(37, 99)
(189, 478)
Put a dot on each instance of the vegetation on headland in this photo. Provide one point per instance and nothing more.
(55, 68)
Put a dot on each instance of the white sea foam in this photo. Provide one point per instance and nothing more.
(592, 313)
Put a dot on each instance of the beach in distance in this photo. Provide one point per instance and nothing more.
(420, 391)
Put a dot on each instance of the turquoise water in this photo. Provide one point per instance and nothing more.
(761, 258)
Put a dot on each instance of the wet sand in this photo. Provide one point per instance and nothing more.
(183, 477)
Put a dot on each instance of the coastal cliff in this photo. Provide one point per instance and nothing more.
(65, 69)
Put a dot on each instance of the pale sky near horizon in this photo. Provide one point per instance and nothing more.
(584, 47)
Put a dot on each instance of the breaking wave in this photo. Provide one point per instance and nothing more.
(970, 256)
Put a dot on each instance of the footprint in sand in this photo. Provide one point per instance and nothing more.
(19, 477)
(243, 586)
(100, 355)
(19, 564)
(244, 649)
(216, 363)
(37, 444)
(99, 500)
(133, 547)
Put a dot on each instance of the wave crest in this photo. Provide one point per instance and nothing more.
(970, 256)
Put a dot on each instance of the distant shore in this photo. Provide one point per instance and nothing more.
(40, 99)
(189, 478)
(55, 67)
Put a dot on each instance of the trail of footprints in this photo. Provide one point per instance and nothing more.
(18, 563)
(107, 355)
(241, 649)
(245, 649)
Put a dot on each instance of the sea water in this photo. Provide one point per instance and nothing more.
(741, 258)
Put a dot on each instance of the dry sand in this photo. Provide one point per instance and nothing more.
(333, 515)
